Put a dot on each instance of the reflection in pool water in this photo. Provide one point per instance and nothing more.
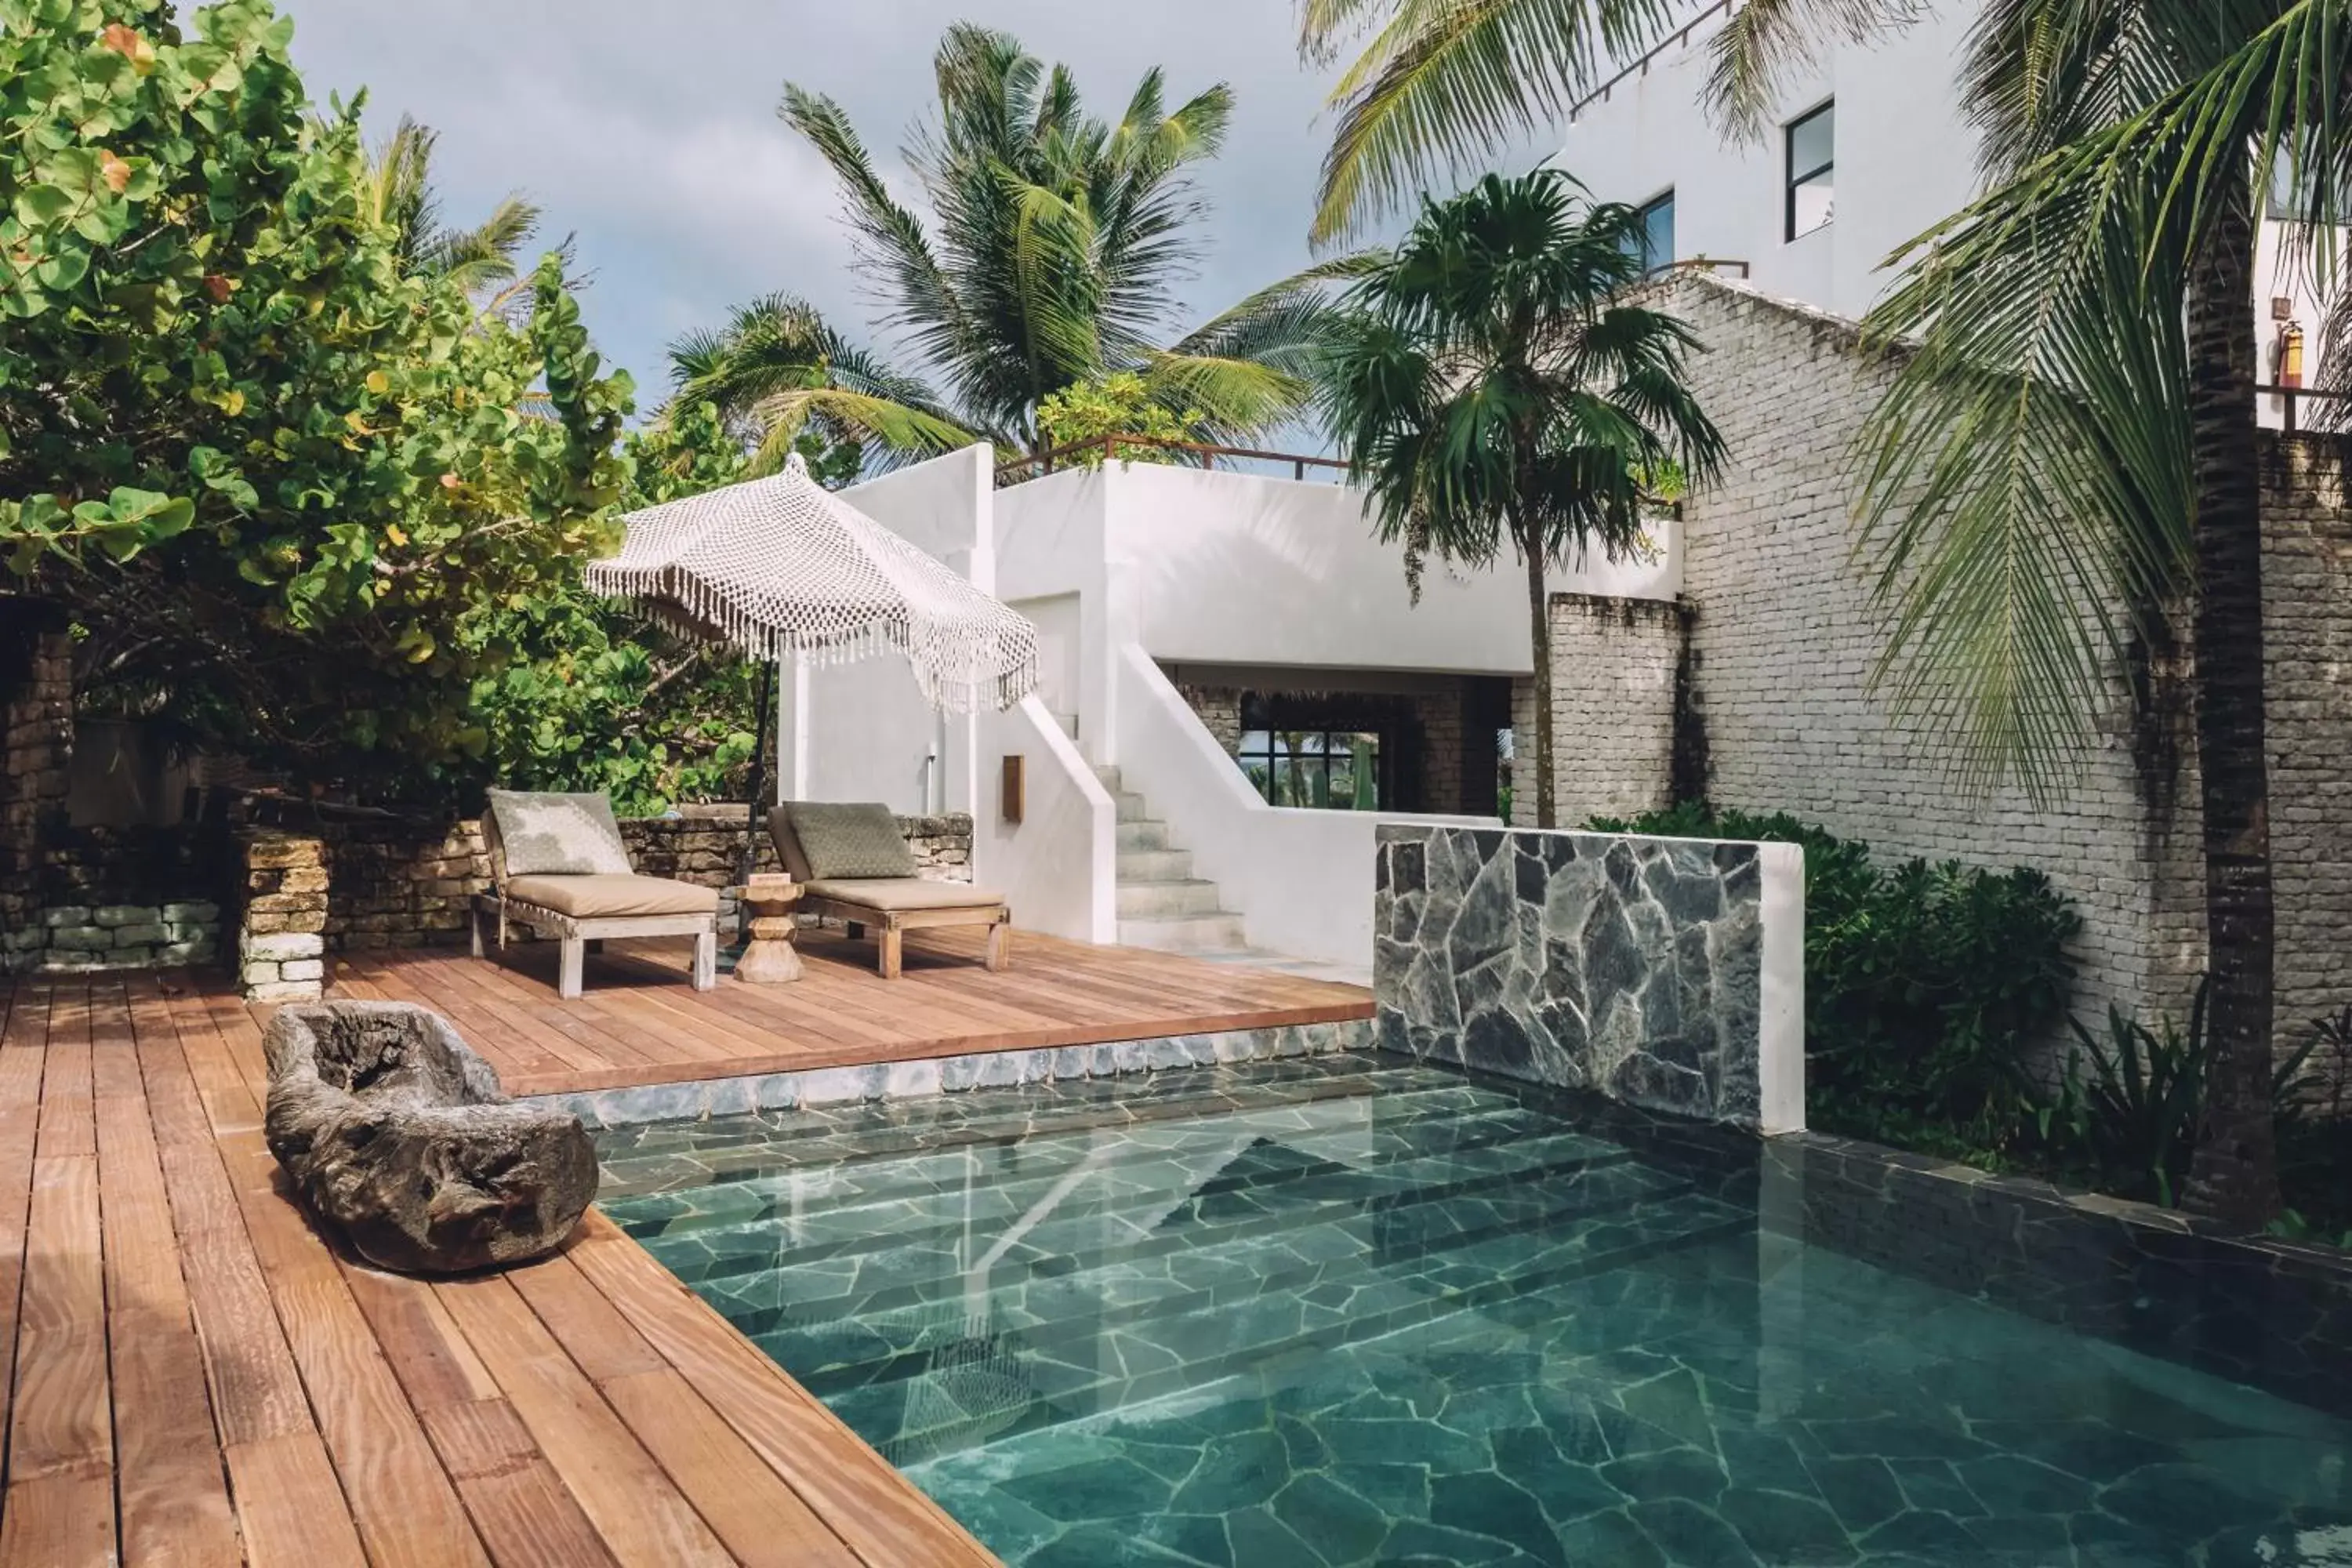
(1350, 1310)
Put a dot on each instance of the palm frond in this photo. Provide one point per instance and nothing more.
(1765, 45)
(1445, 81)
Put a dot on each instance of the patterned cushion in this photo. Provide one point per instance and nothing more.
(559, 834)
(851, 841)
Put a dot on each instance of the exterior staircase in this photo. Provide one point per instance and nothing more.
(1162, 905)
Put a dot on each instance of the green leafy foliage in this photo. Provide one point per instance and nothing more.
(1121, 403)
(302, 498)
(1928, 986)
(2315, 1134)
(2131, 1101)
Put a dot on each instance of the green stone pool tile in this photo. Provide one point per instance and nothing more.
(1471, 1367)
(855, 1208)
(1389, 1233)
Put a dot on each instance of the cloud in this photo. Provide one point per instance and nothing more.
(650, 132)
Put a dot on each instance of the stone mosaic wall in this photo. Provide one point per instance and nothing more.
(1638, 967)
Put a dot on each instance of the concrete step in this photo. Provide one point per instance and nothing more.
(1154, 865)
(1142, 901)
(1211, 931)
(1132, 807)
(1109, 778)
(1135, 836)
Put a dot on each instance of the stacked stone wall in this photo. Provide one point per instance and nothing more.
(369, 884)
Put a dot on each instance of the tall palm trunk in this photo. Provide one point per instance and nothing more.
(1531, 547)
(2235, 1173)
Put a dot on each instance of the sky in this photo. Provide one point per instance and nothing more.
(648, 130)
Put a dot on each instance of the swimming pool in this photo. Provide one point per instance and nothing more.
(1356, 1311)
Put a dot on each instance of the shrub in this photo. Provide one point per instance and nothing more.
(1928, 988)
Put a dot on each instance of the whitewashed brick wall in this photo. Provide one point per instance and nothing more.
(1612, 705)
(1785, 636)
(2307, 597)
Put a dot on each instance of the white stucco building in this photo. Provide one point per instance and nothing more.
(1866, 153)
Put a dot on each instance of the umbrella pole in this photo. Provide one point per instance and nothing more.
(750, 859)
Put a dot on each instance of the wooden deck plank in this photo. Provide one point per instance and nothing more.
(195, 1375)
(759, 1518)
(257, 1392)
(62, 1421)
(635, 1506)
(22, 1055)
(526, 1516)
(69, 1122)
(174, 1497)
(882, 1518)
(638, 1009)
(290, 1506)
(58, 1521)
(400, 1499)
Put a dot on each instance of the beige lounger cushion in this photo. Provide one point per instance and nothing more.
(902, 895)
(605, 898)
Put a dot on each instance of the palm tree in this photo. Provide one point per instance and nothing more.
(2082, 409)
(1491, 388)
(2069, 449)
(1051, 256)
(777, 370)
(400, 195)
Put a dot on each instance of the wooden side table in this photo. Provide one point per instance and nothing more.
(770, 958)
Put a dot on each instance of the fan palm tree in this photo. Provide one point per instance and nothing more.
(1491, 390)
(399, 191)
(1051, 255)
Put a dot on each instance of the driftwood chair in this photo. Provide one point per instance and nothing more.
(558, 869)
(853, 865)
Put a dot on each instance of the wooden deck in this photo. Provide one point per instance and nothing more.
(199, 1377)
(640, 1024)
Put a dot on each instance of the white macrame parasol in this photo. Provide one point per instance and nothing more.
(783, 568)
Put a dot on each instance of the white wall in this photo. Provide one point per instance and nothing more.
(1242, 569)
(1057, 867)
(1906, 160)
(863, 730)
(1302, 879)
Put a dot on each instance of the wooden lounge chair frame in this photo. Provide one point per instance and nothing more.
(575, 933)
(890, 926)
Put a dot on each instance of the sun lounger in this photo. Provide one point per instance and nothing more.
(853, 865)
(558, 869)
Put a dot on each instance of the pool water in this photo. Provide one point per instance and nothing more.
(1347, 1310)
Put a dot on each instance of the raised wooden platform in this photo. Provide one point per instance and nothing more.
(193, 1375)
(640, 1024)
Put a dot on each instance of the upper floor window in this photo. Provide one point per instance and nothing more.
(1812, 170)
(1657, 236)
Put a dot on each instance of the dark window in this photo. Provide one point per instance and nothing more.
(1657, 237)
(1330, 769)
(1812, 170)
